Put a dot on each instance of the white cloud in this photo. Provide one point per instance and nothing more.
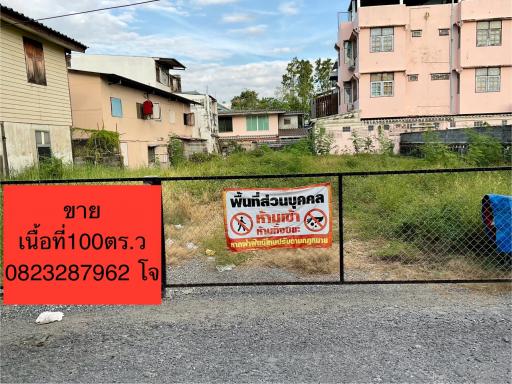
(225, 82)
(214, 2)
(289, 8)
(236, 18)
(252, 30)
(282, 50)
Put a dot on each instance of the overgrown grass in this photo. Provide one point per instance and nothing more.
(410, 212)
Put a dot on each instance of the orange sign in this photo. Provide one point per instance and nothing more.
(82, 244)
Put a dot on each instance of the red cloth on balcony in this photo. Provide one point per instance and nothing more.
(147, 108)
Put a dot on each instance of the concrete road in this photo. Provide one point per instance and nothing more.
(359, 334)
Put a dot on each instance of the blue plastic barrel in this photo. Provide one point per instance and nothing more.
(497, 218)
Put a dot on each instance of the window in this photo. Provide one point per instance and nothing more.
(458, 82)
(478, 123)
(116, 107)
(370, 128)
(452, 124)
(43, 145)
(287, 121)
(381, 84)
(140, 111)
(189, 119)
(488, 33)
(347, 93)
(439, 76)
(225, 124)
(416, 33)
(488, 79)
(151, 155)
(34, 61)
(444, 32)
(412, 77)
(257, 123)
(346, 129)
(347, 49)
(386, 127)
(381, 39)
(162, 75)
(157, 113)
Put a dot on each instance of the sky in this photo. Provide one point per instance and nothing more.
(226, 45)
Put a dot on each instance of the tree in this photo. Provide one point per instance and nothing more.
(298, 86)
(248, 99)
(322, 76)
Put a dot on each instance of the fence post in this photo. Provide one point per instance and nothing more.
(163, 266)
(340, 227)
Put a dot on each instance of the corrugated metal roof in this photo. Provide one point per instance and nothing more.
(21, 21)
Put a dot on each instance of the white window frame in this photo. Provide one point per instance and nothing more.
(486, 30)
(379, 39)
(416, 33)
(380, 85)
(157, 108)
(488, 79)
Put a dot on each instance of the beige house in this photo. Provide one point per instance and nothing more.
(35, 110)
(252, 128)
(115, 103)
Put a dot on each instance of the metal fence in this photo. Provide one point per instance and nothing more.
(419, 226)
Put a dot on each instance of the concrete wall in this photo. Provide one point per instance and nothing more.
(90, 98)
(21, 144)
(294, 122)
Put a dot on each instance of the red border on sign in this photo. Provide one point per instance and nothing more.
(328, 236)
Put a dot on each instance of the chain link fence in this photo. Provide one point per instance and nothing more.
(196, 247)
(408, 227)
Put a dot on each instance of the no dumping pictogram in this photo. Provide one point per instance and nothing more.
(241, 224)
(315, 220)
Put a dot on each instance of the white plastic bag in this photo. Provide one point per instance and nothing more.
(49, 317)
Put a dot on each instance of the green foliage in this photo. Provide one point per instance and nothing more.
(386, 145)
(176, 151)
(434, 151)
(103, 143)
(51, 168)
(201, 157)
(484, 150)
(248, 99)
(302, 147)
(322, 75)
(322, 140)
(357, 142)
(297, 85)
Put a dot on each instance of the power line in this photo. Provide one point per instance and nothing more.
(96, 10)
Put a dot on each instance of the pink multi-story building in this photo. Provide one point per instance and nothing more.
(447, 63)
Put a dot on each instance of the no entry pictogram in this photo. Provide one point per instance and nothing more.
(241, 224)
(315, 220)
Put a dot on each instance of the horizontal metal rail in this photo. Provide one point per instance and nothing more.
(256, 177)
(350, 282)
